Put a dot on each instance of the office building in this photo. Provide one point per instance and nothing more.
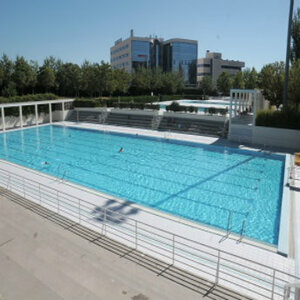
(152, 52)
(213, 65)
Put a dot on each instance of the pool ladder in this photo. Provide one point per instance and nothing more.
(229, 227)
(63, 174)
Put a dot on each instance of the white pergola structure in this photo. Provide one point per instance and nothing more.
(36, 105)
(242, 101)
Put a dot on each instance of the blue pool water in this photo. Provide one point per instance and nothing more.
(205, 102)
(198, 182)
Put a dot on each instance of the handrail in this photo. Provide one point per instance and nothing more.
(217, 264)
(242, 230)
(128, 218)
(229, 223)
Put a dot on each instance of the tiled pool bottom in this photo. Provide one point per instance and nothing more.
(197, 182)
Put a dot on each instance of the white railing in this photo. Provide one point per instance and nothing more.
(289, 288)
(217, 266)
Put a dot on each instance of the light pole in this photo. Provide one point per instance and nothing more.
(288, 51)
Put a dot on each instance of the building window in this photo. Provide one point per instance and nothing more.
(231, 67)
(203, 65)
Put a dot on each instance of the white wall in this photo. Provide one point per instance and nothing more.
(29, 120)
(268, 136)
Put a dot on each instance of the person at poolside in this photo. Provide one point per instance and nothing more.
(121, 150)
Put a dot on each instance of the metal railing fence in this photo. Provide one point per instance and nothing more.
(238, 273)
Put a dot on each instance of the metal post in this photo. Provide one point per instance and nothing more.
(242, 230)
(21, 116)
(173, 250)
(50, 113)
(136, 234)
(229, 222)
(3, 118)
(40, 194)
(79, 210)
(57, 202)
(104, 221)
(273, 284)
(287, 59)
(24, 188)
(36, 114)
(218, 268)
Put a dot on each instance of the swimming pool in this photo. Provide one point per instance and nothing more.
(202, 105)
(201, 183)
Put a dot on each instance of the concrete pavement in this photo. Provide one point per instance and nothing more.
(45, 256)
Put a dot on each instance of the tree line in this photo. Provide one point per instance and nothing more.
(22, 77)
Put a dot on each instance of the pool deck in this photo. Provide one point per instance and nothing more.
(42, 259)
(248, 249)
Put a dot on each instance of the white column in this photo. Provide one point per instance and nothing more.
(230, 112)
(63, 111)
(254, 107)
(36, 115)
(3, 118)
(21, 116)
(50, 113)
(235, 103)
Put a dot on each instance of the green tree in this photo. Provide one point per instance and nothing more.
(157, 80)
(88, 82)
(53, 63)
(122, 79)
(206, 85)
(1, 78)
(22, 74)
(224, 83)
(10, 90)
(7, 67)
(68, 79)
(46, 78)
(295, 34)
(238, 81)
(294, 84)
(271, 82)
(250, 78)
(141, 80)
(32, 76)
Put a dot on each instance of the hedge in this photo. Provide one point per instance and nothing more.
(175, 106)
(113, 103)
(288, 118)
(27, 98)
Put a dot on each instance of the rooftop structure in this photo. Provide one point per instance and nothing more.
(213, 65)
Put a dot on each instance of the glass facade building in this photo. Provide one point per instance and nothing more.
(171, 55)
(140, 54)
(182, 56)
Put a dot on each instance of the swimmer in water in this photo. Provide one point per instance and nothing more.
(45, 163)
(121, 150)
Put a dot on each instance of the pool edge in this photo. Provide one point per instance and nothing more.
(284, 227)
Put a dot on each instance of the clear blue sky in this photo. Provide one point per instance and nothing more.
(250, 30)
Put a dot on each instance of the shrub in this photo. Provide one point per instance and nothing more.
(28, 98)
(212, 110)
(288, 118)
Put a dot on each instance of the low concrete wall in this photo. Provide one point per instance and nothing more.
(155, 113)
(29, 120)
(268, 136)
(279, 137)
